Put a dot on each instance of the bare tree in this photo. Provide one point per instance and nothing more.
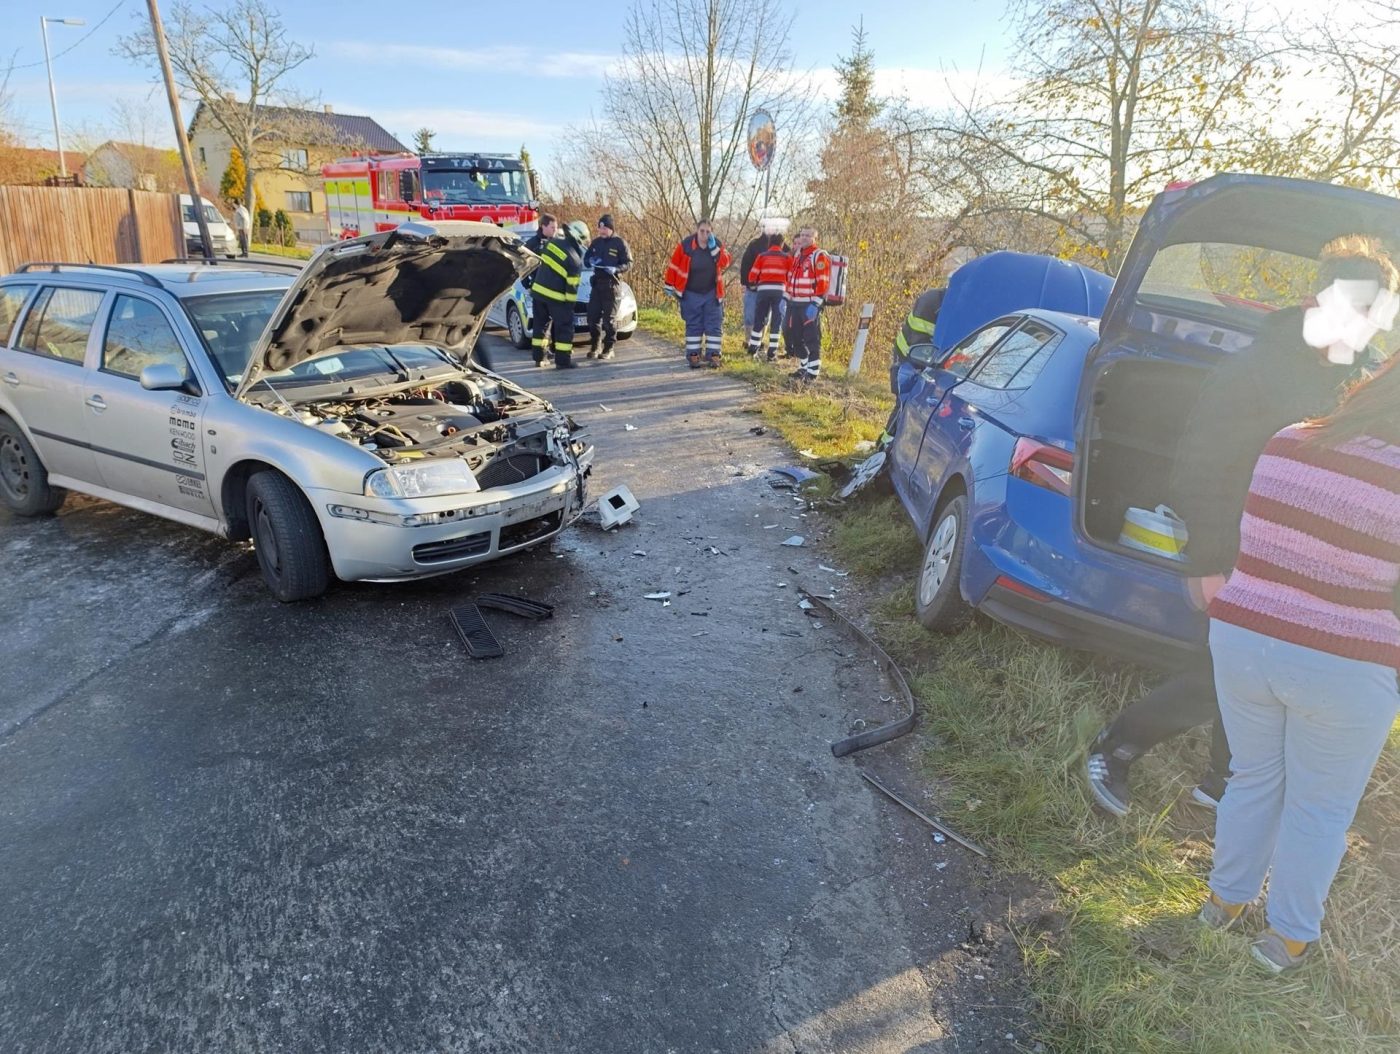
(236, 63)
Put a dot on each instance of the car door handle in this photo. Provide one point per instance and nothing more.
(96, 402)
(966, 423)
(12, 379)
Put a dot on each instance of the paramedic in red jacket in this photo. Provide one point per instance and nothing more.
(695, 277)
(808, 280)
(767, 278)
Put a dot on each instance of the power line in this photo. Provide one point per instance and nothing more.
(30, 65)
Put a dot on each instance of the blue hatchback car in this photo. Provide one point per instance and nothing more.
(1020, 446)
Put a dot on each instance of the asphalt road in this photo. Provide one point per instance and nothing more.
(228, 824)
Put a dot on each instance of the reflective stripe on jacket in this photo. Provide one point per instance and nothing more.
(557, 276)
(809, 277)
(678, 270)
(918, 326)
(770, 270)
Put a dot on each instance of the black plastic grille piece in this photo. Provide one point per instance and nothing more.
(522, 606)
(475, 633)
(527, 531)
(504, 471)
(453, 548)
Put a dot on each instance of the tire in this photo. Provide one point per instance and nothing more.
(938, 602)
(24, 482)
(291, 550)
(627, 335)
(515, 325)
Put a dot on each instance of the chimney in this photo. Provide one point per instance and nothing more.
(329, 108)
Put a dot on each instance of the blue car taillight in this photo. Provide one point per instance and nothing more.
(1043, 465)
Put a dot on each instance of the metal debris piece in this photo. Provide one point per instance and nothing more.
(796, 541)
(833, 571)
(629, 428)
(605, 409)
(935, 824)
(796, 473)
(806, 605)
(657, 596)
(866, 471)
(771, 526)
(639, 552)
(884, 733)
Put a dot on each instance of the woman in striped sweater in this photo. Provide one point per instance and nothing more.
(1306, 645)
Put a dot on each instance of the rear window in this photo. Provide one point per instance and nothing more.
(1018, 359)
(12, 298)
(59, 323)
(1239, 282)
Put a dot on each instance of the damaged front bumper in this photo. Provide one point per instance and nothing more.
(390, 540)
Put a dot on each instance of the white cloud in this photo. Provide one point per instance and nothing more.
(534, 62)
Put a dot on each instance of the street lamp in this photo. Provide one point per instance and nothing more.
(44, 21)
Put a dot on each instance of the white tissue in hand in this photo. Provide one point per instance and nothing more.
(1348, 314)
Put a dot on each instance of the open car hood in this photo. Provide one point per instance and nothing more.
(427, 283)
(1295, 216)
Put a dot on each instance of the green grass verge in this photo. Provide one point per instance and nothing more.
(828, 417)
(295, 252)
(1005, 721)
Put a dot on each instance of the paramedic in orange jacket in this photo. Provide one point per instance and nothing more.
(808, 280)
(695, 277)
(767, 278)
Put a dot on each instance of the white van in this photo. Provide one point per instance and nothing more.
(220, 233)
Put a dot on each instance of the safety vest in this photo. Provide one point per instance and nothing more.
(809, 277)
(560, 264)
(918, 326)
(678, 270)
(770, 270)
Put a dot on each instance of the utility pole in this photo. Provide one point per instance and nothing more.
(197, 202)
(44, 21)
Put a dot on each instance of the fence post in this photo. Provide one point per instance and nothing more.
(867, 312)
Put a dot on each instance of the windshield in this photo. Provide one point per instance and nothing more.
(211, 214)
(506, 186)
(231, 323)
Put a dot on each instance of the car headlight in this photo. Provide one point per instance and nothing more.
(421, 481)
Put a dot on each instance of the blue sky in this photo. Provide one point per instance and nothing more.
(438, 65)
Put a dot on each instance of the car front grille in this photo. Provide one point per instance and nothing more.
(527, 531)
(507, 470)
(452, 548)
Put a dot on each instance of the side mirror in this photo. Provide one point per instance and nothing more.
(922, 356)
(162, 377)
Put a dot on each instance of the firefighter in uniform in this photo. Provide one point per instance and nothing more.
(766, 277)
(556, 281)
(609, 257)
(539, 306)
(695, 277)
(917, 329)
(808, 280)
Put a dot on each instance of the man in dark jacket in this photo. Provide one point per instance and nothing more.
(609, 257)
(539, 306)
(1277, 381)
(556, 287)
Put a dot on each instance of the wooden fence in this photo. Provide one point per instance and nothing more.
(87, 224)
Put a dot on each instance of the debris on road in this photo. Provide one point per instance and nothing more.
(796, 541)
(605, 409)
(758, 430)
(893, 730)
(629, 428)
(657, 596)
(865, 446)
(866, 471)
(796, 473)
(616, 507)
(935, 824)
(807, 606)
(833, 571)
(475, 633)
(639, 552)
(522, 606)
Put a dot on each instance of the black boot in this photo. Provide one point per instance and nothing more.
(564, 360)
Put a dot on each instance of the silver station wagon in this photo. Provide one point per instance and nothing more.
(336, 419)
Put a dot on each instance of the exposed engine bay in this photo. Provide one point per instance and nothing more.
(504, 434)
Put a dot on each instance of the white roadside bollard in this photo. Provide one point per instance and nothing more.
(867, 312)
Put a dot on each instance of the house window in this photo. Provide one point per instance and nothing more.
(298, 201)
(294, 159)
(202, 160)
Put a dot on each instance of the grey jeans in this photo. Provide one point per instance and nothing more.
(1306, 728)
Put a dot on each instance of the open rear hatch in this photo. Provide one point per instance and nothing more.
(1208, 265)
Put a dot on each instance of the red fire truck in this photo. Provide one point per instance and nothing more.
(368, 194)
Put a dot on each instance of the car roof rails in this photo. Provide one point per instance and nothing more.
(56, 266)
(234, 264)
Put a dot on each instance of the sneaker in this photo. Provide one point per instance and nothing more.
(605, 354)
(1209, 791)
(1108, 779)
(1216, 914)
(592, 353)
(1274, 952)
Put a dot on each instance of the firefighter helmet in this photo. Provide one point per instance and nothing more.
(579, 230)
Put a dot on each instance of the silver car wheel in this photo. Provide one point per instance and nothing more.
(515, 324)
(938, 559)
(14, 468)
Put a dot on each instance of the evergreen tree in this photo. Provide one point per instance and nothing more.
(857, 107)
(423, 140)
(235, 179)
